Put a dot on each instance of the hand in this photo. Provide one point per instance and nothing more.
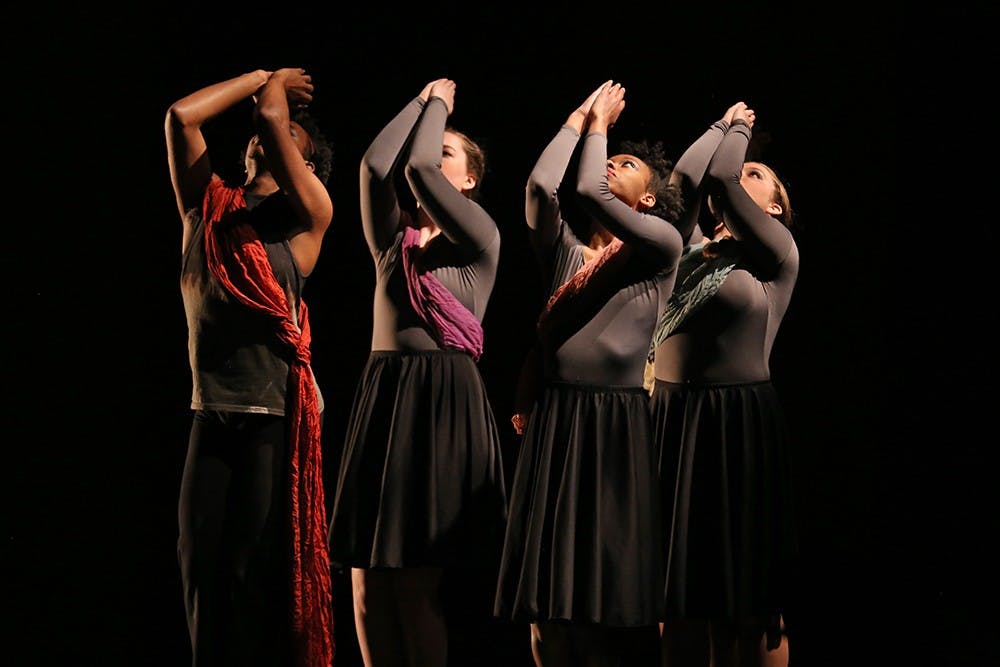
(607, 107)
(425, 94)
(744, 113)
(445, 89)
(298, 86)
(585, 107)
(727, 117)
(264, 76)
(578, 119)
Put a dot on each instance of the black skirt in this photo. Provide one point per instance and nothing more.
(420, 482)
(725, 468)
(584, 538)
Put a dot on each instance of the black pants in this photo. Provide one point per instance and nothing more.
(233, 545)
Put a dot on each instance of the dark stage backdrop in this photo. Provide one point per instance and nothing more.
(98, 382)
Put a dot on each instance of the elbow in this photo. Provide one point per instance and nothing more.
(418, 172)
(714, 174)
(373, 171)
(268, 115)
(538, 190)
(178, 117)
(585, 190)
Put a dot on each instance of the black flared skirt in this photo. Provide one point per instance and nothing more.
(584, 538)
(725, 469)
(420, 482)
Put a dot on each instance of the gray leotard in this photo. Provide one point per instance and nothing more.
(464, 257)
(729, 339)
(610, 348)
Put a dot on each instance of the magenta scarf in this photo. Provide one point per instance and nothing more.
(451, 323)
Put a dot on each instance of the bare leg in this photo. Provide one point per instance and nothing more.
(375, 618)
(425, 633)
(777, 657)
(551, 645)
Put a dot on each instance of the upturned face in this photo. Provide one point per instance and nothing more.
(455, 163)
(628, 178)
(760, 183)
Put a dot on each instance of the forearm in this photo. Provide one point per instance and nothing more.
(382, 154)
(689, 172)
(272, 109)
(208, 102)
(763, 237)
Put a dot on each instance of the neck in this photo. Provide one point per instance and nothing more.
(261, 184)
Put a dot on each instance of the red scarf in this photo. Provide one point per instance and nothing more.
(576, 301)
(238, 260)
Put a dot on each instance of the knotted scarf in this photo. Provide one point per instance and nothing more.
(572, 304)
(451, 323)
(238, 260)
(699, 277)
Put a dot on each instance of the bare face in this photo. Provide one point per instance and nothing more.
(759, 182)
(455, 163)
(628, 178)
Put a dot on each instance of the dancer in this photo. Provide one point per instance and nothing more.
(420, 502)
(720, 429)
(583, 557)
(253, 560)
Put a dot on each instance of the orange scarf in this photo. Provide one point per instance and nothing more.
(238, 260)
(573, 304)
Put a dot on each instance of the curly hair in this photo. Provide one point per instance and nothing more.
(668, 197)
(322, 154)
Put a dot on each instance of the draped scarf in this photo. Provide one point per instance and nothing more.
(238, 260)
(569, 307)
(699, 277)
(451, 323)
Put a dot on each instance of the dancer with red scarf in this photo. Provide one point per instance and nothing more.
(583, 557)
(420, 502)
(252, 550)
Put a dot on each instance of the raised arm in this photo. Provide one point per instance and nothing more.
(541, 196)
(689, 172)
(187, 152)
(648, 235)
(307, 194)
(766, 241)
(379, 205)
(464, 222)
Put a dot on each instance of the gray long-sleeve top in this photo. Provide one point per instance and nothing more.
(609, 347)
(464, 257)
(729, 339)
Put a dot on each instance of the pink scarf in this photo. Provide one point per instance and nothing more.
(451, 323)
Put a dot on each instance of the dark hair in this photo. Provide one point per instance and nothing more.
(476, 161)
(668, 197)
(322, 153)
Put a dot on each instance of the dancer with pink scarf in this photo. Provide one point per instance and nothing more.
(420, 500)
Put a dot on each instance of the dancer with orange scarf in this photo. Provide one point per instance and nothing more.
(583, 556)
(252, 548)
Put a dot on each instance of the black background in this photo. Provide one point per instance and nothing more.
(97, 374)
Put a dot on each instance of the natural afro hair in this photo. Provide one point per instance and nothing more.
(322, 155)
(668, 197)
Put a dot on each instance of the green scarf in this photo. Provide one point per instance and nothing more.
(698, 279)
